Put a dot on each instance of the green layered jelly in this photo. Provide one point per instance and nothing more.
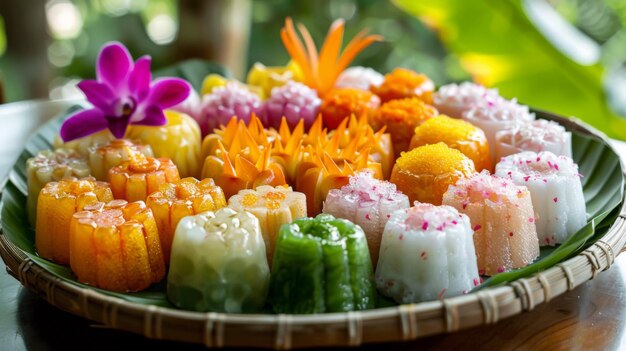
(321, 264)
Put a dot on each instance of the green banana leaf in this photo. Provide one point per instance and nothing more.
(526, 50)
(603, 186)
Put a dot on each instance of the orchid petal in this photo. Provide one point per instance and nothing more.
(140, 78)
(168, 92)
(114, 64)
(152, 116)
(99, 94)
(118, 125)
(83, 123)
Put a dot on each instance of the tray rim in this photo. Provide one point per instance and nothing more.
(281, 331)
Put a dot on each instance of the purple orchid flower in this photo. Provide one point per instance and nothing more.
(123, 94)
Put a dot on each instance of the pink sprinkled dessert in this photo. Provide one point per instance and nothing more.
(427, 253)
(537, 136)
(294, 101)
(224, 102)
(455, 99)
(494, 116)
(555, 189)
(368, 202)
(358, 77)
(503, 220)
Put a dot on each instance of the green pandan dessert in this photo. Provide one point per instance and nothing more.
(321, 264)
(218, 263)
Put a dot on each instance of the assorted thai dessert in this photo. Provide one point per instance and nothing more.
(367, 202)
(115, 246)
(224, 102)
(425, 173)
(455, 99)
(179, 140)
(338, 104)
(537, 136)
(305, 171)
(403, 83)
(178, 199)
(273, 207)
(555, 189)
(494, 116)
(321, 264)
(58, 201)
(293, 101)
(503, 220)
(102, 158)
(218, 263)
(358, 77)
(51, 166)
(400, 118)
(427, 253)
(141, 176)
(457, 134)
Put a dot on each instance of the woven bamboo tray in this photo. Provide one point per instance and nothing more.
(391, 324)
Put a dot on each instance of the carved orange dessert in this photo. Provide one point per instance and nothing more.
(139, 177)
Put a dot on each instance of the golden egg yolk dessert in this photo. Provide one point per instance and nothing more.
(403, 83)
(426, 172)
(344, 102)
(139, 177)
(457, 134)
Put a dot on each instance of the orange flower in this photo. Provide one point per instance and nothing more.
(341, 103)
(425, 173)
(321, 72)
(402, 83)
(457, 134)
(401, 117)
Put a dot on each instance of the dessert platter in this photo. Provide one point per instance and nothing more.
(314, 204)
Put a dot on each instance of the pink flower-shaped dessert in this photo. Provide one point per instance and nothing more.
(556, 191)
(294, 101)
(537, 136)
(123, 94)
(358, 77)
(503, 220)
(368, 202)
(455, 99)
(494, 116)
(224, 102)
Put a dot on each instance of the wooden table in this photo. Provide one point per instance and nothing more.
(590, 317)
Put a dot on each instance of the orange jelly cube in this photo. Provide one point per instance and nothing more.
(116, 246)
(141, 176)
(179, 199)
(56, 204)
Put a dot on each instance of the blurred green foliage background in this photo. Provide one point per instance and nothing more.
(566, 56)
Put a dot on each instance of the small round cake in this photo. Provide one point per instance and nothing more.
(455, 99)
(503, 220)
(358, 77)
(427, 253)
(141, 176)
(233, 99)
(404, 83)
(426, 172)
(555, 189)
(457, 134)
(368, 202)
(537, 136)
(115, 246)
(341, 103)
(400, 117)
(494, 116)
